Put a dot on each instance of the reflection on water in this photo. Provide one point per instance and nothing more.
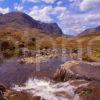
(49, 90)
(19, 73)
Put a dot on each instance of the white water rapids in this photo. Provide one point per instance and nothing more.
(49, 90)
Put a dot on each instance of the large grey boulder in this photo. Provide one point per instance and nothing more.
(78, 70)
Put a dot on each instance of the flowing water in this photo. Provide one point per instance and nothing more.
(20, 73)
(11, 73)
(48, 90)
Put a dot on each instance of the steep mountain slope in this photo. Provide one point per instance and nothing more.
(22, 20)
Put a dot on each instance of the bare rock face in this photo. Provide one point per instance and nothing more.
(78, 70)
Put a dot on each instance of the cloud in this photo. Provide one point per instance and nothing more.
(45, 14)
(89, 4)
(69, 22)
(36, 1)
(31, 1)
(49, 1)
(2, 0)
(4, 10)
(76, 23)
(41, 14)
(18, 7)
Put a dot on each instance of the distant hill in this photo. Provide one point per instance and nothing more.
(1, 14)
(90, 32)
(22, 20)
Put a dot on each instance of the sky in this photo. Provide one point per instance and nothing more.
(73, 16)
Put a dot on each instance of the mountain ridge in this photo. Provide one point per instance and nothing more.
(22, 20)
(90, 32)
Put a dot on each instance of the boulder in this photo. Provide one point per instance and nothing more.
(89, 92)
(78, 70)
(2, 90)
(14, 95)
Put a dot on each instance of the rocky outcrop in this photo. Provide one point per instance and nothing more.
(78, 70)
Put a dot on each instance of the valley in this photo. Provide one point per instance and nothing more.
(39, 62)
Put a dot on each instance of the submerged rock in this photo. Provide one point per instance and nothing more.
(78, 70)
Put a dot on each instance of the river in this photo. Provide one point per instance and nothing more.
(37, 79)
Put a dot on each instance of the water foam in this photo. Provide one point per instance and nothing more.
(49, 90)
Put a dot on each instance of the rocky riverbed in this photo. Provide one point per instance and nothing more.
(36, 89)
(52, 79)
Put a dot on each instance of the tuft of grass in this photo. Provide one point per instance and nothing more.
(85, 93)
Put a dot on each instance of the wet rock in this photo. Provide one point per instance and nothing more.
(78, 70)
(90, 92)
(2, 90)
(36, 98)
(63, 94)
(64, 73)
(13, 95)
(21, 95)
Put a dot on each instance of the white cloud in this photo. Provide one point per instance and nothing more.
(49, 1)
(35, 1)
(4, 10)
(41, 14)
(93, 17)
(1, 0)
(44, 14)
(89, 4)
(18, 7)
(76, 23)
(70, 23)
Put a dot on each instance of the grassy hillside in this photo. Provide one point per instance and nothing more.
(32, 38)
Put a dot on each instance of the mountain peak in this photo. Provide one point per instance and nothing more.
(20, 19)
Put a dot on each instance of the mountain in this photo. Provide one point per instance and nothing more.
(22, 20)
(90, 32)
(1, 14)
